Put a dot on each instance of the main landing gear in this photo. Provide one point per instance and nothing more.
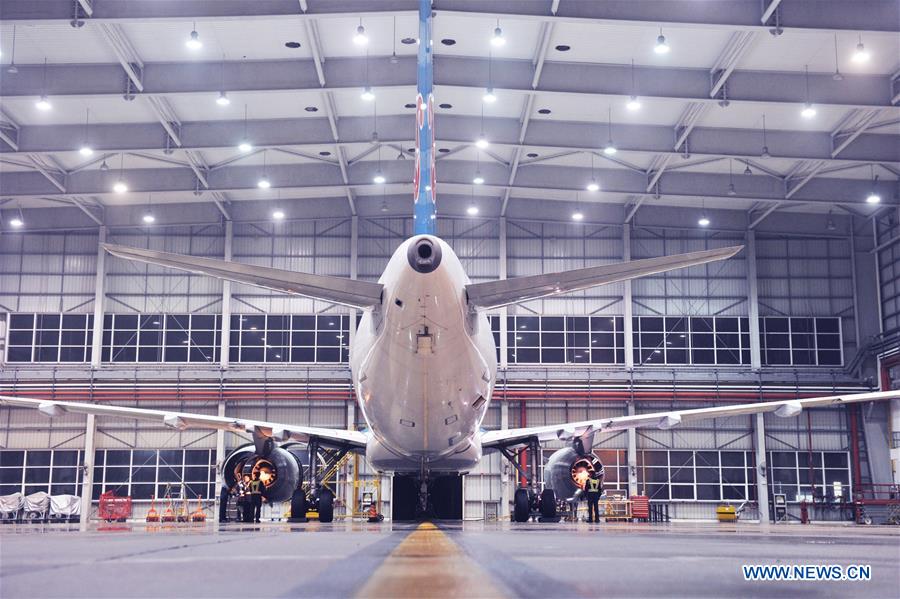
(316, 496)
(528, 502)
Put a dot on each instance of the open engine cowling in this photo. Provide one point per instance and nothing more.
(568, 470)
(280, 470)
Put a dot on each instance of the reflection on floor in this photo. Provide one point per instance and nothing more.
(472, 559)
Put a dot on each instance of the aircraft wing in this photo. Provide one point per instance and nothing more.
(667, 420)
(349, 292)
(185, 420)
(494, 294)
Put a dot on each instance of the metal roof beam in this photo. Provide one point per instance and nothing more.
(318, 177)
(341, 73)
(797, 14)
(319, 133)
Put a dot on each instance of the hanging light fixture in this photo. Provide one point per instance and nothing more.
(829, 224)
(497, 39)
(264, 182)
(489, 96)
(610, 148)
(633, 102)
(578, 215)
(43, 102)
(703, 220)
(119, 186)
(809, 110)
(837, 72)
(360, 38)
(86, 149)
(731, 190)
(223, 100)
(18, 221)
(747, 170)
(861, 55)
(193, 42)
(765, 147)
(148, 216)
(278, 214)
(394, 58)
(592, 184)
(482, 142)
(245, 145)
(379, 176)
(368, 95)
(661, 47)
(873, 197)
(472, 209)
(13, 69)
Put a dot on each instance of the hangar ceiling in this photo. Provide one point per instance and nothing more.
(720, 122)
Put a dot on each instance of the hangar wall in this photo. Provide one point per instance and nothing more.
(797, 276)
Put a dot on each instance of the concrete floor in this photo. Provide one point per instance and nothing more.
(473, 559)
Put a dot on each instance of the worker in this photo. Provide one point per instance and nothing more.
(593, 497)
(224, 494)
(256, 498)
(243, 498)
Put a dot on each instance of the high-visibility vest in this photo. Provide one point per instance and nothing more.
(593, 485)
(255, 487)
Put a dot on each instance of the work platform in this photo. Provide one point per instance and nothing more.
(471, 559)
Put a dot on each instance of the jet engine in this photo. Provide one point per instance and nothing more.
(568, 470)
(280, 469)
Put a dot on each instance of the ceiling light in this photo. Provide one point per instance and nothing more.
(489, 96)
(861, 54)
(765, 152)
(808, 111)
(704, 221)
(661, 46)
(830, 223)
(245, 146)
(747, 170)
(278, 215)
(148, 218)
(43, 103)
(104, 166)
(16, 222)
(498, 40)
(873, 198)
(86, 150)
(482, 142)
(223, 100)
(368, 95)
(577, 215)
(633, 103)
(731, 190)
(120, 187)
(478, 180)
(193, 42)
(378, 178)
(384, 206)
(264, 183)
(360, 38)
(472, 210)
(593, 185)
(610, 148)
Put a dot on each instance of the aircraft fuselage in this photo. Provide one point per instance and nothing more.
(423, 365)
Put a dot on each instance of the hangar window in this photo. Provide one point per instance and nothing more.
(683, 340)
(283, 338)
(565, 340)
(801, 341)
(55, 472)
(50, 337)
(144, 473)
(154, 338)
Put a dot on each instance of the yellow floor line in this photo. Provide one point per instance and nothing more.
(428, 564)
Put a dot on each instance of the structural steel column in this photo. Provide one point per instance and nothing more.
(226, 300)
(354, 269)
(87, 487)
(99, 301)
(632, 455)
(505, 495)
(220, 457)
(504, 345)
(762, 471)
(753, 302)
(626, 300)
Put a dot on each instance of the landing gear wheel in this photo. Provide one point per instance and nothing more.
(521, 506)
(298, 506)
(548, 504)
(326, 506)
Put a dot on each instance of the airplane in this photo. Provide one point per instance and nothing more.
(423, 363)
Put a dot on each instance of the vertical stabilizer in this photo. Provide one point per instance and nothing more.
(423, 182)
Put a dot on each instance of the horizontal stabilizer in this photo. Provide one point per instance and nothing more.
(494, 294)
(358, 294)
